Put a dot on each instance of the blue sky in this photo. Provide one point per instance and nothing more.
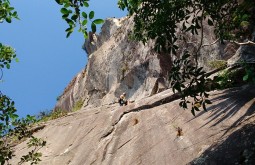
(47, 59)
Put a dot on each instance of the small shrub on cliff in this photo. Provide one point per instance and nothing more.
(44, 115)
(225, 79)
(216, 64)
(124, 69)
(51, 115)
(58, 98)
(78, 105)
(236, 77)
(249, 75)
(57, 114)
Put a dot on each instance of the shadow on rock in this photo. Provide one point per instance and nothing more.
(238, 148)
(229, 104)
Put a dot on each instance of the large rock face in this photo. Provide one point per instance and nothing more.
(153, 129)
(145, 132)
(117, 64)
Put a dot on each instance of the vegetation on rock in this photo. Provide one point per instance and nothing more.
(167, 22)
(159, 20)
(11, 127)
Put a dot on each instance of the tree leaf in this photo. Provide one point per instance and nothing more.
(74, 17)
(69, 21)
(91, 15)
(193, 111)
(8, 19)
(204, 107)
(84, 22)
(67, 5)
(84, 15)
(70, 29)
(8, 66)
(64, 11)
(98, 21)
(59, 2)
(64, 16)
(93, 27)
(208, 101)
(245, 78)
(210, 22)
(86, 4)
(196, 108)
(85, 34)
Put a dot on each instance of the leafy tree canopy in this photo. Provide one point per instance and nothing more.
(160, 19)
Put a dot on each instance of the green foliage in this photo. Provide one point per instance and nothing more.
(131, 5)
(249, 73)
(235, 77)
(217, 64)
(58, 98)
(7, 54)
(191, 82)
(44, 115)
(159, 19)
(7, 12)
(242, 19)
(225, 79)
(7, 115)
(51, 115)
(78, 105)
(13, 129)
(72, 14)
(124, 69)
(33, 156)
(57, 113)
(166, 22)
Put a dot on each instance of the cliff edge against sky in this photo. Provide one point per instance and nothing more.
(153, 129)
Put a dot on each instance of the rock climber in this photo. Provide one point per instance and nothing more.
(123, 100)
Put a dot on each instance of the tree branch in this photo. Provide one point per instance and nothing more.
(244, 43)
(211, 43)
(202, 37)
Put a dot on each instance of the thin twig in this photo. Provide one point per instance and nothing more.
(211, 43)
(202, 36)
(245, 43)
(2, 74)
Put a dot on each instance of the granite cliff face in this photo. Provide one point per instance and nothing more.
(153, 129)
(146, 132)
(117, 64)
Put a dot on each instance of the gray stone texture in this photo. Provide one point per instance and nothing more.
(117, 64)
(144, 134)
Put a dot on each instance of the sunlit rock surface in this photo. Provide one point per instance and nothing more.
(145, 132)
(117, 64)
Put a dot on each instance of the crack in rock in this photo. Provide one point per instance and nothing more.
(107, 133)
(105, 150)
(162, 101)
(125, 143)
